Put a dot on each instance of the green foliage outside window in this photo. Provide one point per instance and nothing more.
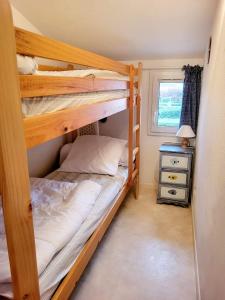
(170, 103)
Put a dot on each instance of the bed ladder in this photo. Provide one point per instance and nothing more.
(134, 127)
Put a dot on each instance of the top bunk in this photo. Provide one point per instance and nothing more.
(57, 100)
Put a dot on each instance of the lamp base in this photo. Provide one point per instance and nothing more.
(185, 142)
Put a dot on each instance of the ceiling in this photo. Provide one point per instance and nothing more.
(126, 29)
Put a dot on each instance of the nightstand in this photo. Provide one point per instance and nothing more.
(175, 175)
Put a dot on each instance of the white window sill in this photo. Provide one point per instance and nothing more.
(162, 134)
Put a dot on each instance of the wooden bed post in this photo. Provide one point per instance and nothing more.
(138, 124)
(131, 125)
(14, 179)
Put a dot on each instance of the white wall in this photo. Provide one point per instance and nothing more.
(41, 159)
(115, 126)
(20, 21)
(209, 185)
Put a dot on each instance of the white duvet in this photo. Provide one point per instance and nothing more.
(59, 209)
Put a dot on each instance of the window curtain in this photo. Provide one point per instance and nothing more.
(191, 96)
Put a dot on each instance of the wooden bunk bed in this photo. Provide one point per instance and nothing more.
(18, 134)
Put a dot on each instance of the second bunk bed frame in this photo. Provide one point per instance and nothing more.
(18, 134)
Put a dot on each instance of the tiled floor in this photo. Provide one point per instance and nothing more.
(147, 254)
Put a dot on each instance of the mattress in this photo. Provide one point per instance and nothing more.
(41, 105)
(63, 261)
(94, 73)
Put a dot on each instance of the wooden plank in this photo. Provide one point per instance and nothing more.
(33, 44)
(39, 129)
(138, 121)
(14, 176)
(35, 85)
(136, 127)
(68, 284)
(55, 68)
(134, 174)
(131, 123)
(135, 151)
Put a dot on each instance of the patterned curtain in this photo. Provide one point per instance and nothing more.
(191, 96)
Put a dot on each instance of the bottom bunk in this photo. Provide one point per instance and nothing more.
(66, 266)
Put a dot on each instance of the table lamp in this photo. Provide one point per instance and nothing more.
(185, 132)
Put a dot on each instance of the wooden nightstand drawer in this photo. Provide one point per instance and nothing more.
(175, 161)
(174, 178)
(168, 192)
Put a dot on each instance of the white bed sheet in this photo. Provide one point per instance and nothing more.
(104, 74)
(41, 105)
(59, 209)
(61, 264)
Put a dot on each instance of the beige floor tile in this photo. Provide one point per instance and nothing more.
(147, 254)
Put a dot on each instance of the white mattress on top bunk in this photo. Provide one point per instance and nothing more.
(40, 105)
(104, 74)
(63, 261)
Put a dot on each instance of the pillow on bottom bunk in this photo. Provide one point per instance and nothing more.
(94, 154)
(65, 150)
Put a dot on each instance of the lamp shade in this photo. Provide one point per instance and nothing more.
(185, 131)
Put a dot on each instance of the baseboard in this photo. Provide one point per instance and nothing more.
(198, 294)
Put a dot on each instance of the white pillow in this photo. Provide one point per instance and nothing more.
(64, 151)
(122, 162)
(124, 157)
(26, 64)
(94, 154)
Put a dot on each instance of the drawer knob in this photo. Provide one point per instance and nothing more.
(172, 177)
(174, 161)
(172, 192)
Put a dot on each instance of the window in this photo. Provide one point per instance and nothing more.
(165, 101)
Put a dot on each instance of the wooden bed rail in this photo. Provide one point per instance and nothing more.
(39, 129)
(14, 178)
(32, 44)
(34, 85)
(69, 67)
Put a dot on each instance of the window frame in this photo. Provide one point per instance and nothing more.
(157, 76)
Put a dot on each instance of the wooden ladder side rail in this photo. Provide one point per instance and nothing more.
(131, 124)
(33, 44)
(14, 179)
(137, 132)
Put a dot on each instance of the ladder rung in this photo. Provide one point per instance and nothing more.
(134, 174)
(135, 151)
(136, 127)
(136, 84)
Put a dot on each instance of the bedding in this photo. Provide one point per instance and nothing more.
(26, 64)
(62, 262)
(95, 73)
(59, 209)
(94, 154)
(40, 105)
(67, 147)
(124, 157)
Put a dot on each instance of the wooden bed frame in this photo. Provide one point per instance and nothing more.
(18, 134)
